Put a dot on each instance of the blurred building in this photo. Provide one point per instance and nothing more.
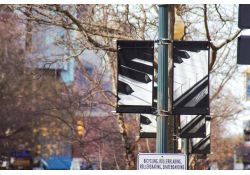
(48, 52)
(242, 151)
(47, 55)
(246, 146)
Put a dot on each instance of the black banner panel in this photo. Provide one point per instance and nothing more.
(244, 16)
(243, 50)
(135, 76)
(194, 128)
(191, 78)
(191, 126)
(148, 122)
(202, 146)
(148, 126)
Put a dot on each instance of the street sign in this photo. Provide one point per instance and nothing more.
(156, 161)
(135, 76)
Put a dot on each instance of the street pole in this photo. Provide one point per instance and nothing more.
(186, 150)
(162, 119)
(175, 134)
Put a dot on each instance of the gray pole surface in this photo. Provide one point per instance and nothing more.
(187, 147)
(162, 119)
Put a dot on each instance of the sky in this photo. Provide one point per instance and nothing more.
(238, 87)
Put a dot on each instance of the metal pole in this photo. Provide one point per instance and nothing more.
(186, 150)
(162, 119)
(175, 134)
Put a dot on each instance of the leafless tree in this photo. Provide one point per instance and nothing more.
(97, 27)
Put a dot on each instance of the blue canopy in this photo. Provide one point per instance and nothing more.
(57, 163)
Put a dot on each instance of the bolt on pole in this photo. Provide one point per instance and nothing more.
(162, 119)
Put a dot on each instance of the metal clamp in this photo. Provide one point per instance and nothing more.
(157, 112)
(163, 113)
(163, 41)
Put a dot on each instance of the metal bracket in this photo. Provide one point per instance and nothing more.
(175, 137)
(158, 113)
(208, 118)
(163, 113)
(163, 41)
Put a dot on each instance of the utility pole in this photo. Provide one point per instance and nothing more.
(162, 136)
(186, 150)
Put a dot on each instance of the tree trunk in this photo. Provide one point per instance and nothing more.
(128, 155)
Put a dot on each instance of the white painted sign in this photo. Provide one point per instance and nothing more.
(156, 161)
